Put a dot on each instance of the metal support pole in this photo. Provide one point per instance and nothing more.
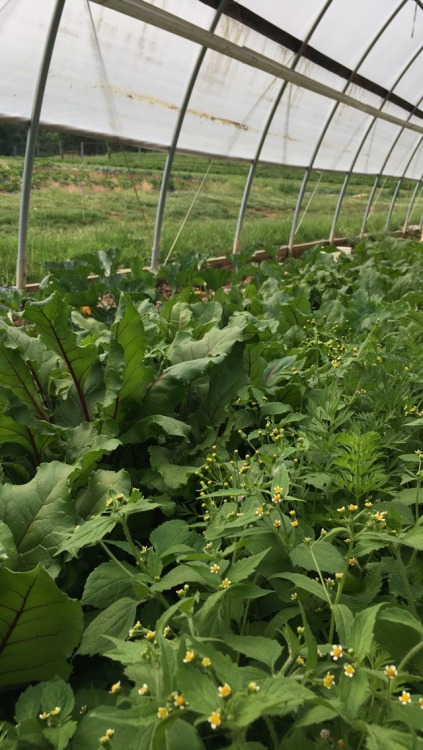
(395, 196)
(358, 152)
(327, 125)
(411, 205)
(253, 166)
(155, 252)
(31, 143)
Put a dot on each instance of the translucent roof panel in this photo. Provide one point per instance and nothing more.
(121, 69)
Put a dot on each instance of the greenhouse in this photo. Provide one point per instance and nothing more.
(210, 467)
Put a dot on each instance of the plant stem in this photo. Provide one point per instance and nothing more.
(407, 587)
(272, 732)
(410, 655)
(114, 559)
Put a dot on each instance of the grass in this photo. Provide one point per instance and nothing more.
(82, 205)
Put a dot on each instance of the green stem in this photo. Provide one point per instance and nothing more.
(135, 552)
(410, 655)
(272, 732)
(115, 560)
(319, 573)
(406, 583)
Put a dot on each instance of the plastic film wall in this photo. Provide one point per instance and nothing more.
(116, 73)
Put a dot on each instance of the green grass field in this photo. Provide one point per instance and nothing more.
(80, 205)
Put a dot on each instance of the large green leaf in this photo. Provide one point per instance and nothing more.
(39, 628)
(215, 342)
(127, 377)
(52, 319)
(38, 514)
(17, 376)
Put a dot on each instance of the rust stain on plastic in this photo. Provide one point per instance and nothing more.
(154, 101)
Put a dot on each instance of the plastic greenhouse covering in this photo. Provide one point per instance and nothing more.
(330, 85)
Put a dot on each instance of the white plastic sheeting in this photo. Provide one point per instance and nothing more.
(118, 76)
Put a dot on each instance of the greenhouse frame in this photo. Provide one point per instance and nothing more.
(249, 81)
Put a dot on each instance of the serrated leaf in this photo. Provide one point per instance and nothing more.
(362, 632)
(39, 628)
(265, 650)
(304, 583)
(88, 534)
(318, 556)
(245, 567)
(107, 583)
(114, 621)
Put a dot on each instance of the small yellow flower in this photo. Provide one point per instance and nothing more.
(300, 629)
(179, 701)
(352, 507)
(277, 523)
(404, 698)
(109, 502)
(352, 561)
(421, 702)
(43, 716)
(276, 499)
(329, 680)
(339, 576)
(348, 670)
(253, 687)
(167, 631)
(225, 583)
(294, 596)
(300, 661)
(55, 711)
(259, 512)
(109, 733)
(330, 583)
(162, 712)
(104, 740)
(341, 510)
(336, 653)
(189, 656)
(380, 516)
(215, 719)
(86, 310)
(391, 672)
(115, 688)
(294, 523)
(368, 504)
(224, 690)
(206, 662)
(144, 689)
(150, 634)
(214, 568)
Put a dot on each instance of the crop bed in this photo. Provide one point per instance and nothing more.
(210, 527)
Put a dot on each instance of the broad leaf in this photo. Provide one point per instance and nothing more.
(39, 513)
(53, 322)
(39, 628)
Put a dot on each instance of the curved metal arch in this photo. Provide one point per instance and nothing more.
(155, 251)
(400, 181)
(31, 142)
(378, 176)
(360, 147)
(411, 205)
(328, 122)
(253, 166)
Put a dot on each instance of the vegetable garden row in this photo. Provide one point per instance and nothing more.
(210, 532)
